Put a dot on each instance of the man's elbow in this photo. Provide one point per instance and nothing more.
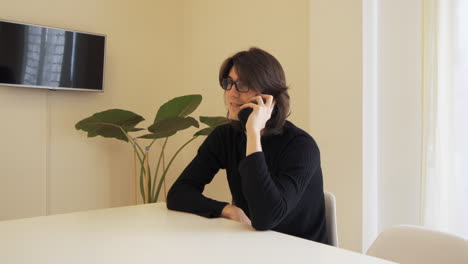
(267, 219)
(262, 224)
(172, 201)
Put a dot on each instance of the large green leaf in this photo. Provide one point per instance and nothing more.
(156, 135)
(204, 132)
(178, 107)
(173, 124)
(110, 124)
(214, 121)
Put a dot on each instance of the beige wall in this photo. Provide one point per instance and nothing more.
(336, 107)
(161, 49)
(22, 153)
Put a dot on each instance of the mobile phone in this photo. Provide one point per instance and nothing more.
(244, 114)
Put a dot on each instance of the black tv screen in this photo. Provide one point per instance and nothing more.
(44, 57)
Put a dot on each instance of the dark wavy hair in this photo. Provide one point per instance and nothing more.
(262, 72)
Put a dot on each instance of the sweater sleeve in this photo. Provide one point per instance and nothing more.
(271, 199)
(186, 193)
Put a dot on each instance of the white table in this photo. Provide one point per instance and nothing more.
(152, 234)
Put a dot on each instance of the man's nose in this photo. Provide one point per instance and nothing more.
(233, 91)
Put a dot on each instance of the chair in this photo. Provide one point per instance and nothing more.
(416, 245)
(330, 216)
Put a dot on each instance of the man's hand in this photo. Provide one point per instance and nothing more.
(233, 212)
(261, 112)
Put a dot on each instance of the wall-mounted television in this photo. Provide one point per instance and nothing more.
(44, 57)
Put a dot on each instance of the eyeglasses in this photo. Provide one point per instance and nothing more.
(226, 84)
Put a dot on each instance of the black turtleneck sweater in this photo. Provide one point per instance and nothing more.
(280, 188)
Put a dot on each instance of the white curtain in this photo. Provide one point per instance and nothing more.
(445, 116)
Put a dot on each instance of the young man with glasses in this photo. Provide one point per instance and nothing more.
(273, 167)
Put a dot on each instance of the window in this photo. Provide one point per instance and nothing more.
(445, 116)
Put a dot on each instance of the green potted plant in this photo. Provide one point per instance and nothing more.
(172, 117)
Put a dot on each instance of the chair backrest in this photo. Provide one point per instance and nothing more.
(330, 215)
(414, 245)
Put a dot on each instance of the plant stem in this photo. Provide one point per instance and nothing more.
(142, 187)
(151, 144)
(157, 167)
(133, 142)
(139, 151)
(169, 165)
(139, 148)
(148, 175)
